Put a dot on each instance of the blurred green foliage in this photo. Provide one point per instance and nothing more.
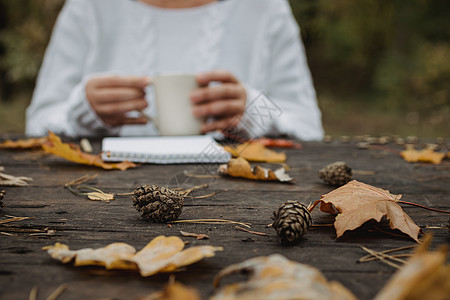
(393, 53)
(385, 55)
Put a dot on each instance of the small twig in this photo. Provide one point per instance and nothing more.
(211, 221)
(382, 257)
(250, 231)
(425, 207)
(125, 194)
(365, 258)
(15, 219)
(57, 292)
(185, 193)
(372, 258)
(80, 180)
(322, 225)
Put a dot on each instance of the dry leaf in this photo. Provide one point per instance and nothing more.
(256, 152)
(281, 143)
(10, 180)
(275, 277)
(74, 154)
(426, 155)
(357, 202)
(24, 144)
(425, 276)
(162, 254)
(239, 167)
(100, 196)
(174, 291)
(198, 236)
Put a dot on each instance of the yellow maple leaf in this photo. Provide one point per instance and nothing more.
(24, 143)
(357, 202)
(162, 254)
(74, 154)
(426, 155)
(240, 167)
(256, 152)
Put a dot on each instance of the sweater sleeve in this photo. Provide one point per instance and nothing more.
(288, 105)
(59, 101)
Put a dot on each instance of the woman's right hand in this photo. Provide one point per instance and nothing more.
(112, 97)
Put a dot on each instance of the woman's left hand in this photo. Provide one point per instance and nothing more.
(220, 105)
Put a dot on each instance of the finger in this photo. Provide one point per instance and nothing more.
(122, 81)
(216, 75)
(119, 108)
(227, 123)
(117, 94)
(222, 91)
(220, 108)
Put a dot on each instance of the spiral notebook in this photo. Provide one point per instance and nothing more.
(164, 150)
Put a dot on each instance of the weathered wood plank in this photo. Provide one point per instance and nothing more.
(81, 223)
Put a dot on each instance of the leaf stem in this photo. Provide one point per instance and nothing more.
(425, 207)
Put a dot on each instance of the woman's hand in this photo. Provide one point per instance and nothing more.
(223, 104)
(112, 97)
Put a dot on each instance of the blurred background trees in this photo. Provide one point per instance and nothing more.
(380, 67)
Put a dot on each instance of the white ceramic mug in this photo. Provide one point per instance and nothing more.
(173, 104)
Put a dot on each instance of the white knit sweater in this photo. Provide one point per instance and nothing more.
(257, 40)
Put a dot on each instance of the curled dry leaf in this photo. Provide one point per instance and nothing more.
(256, 152)
(357, 202)
(426, 155)
(74, 154)
(426, 275)
(24, 143)
(239, 167)
(275, 277)
(162, 254)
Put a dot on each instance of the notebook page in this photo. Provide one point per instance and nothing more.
(168, 149)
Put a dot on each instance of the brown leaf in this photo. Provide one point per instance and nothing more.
(275, 277)
(73, 153)
(239, 167)
(23, 143)
(162, 254)
(426, 275)
(426, 155)
(357, 202)
(256, 152)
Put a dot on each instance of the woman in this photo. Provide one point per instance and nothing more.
(103, 53)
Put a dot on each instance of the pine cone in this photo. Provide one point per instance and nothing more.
(291, 221)
(2, 195)
(336, 174)
(158, 204)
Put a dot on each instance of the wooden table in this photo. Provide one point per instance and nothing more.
(59, 216)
